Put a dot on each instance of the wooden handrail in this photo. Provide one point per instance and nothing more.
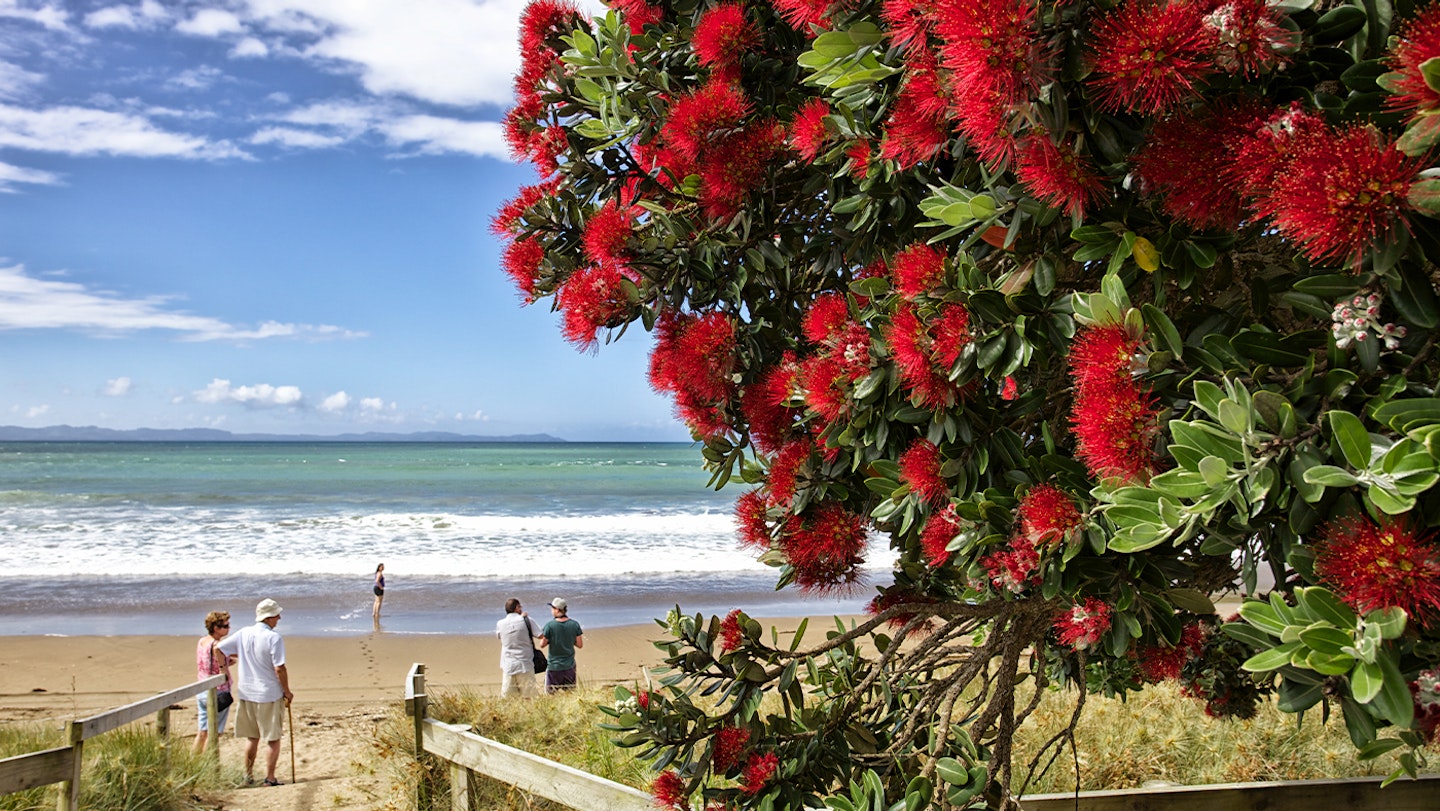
(120, 716)
(1422, 794)
(33, 769)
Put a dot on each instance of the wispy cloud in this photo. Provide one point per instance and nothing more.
(211, 22)
(117, 387)
(16, 81)
(47, 15)
(27, 302)
(88, 131)
(146, 15)
(259, 395)
(11, 176)
(327, 124)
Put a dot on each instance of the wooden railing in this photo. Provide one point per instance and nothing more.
(468, 754)
(63, 764)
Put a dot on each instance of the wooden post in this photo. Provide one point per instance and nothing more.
(212, 723)
(162, 725)
(70, 789)
(416, 704)
(460, 787)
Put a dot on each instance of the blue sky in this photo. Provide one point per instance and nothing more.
(272, 215)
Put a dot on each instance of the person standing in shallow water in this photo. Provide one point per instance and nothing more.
(562, 636)
(379, 591)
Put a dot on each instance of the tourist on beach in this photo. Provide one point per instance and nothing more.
(262, 691)
(379, 591)
(518, 635)
(562, 636)
(211, 662)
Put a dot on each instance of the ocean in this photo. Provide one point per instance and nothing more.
(126, 538)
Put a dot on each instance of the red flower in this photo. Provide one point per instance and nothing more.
(1416, 42)
(522, 264)
(917, 127)
(1158, 663)
(917, 270)
(1347, 193)
(1057, 176)
(543, 20)
(802, 14)
(1248, 35)
(767, 405)
(1014, 568)
(607, 234)
(908, 22)
(643, 699)
(1010, 389)
(808, 132)
(1267, 151)
(1115, 425)
(637, 14)
(920, 468)
(859, 155)
(669, 791)
(940, 530)
(1148, 57)
(699, 118)
(1185, 155)
(1047, 516)
(507, 220)
(758, 771)
(592, 298)
(730, 743)
(723, 34)
(693, 358)
(1084, 624)
(750, 520)
(733, 167)
(1375, 566)
(730, 631)
(824, 546)
(828, 315)
(994, 48)
(985, 120)
(784, 470)
(924, 359)
(886, 600)
(1102, 354)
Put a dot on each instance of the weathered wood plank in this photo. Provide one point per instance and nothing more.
(531, 773)
(1359, 794)
(120, 716)
(27, 771)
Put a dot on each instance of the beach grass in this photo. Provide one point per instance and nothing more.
(1159, 736)
(129, 769)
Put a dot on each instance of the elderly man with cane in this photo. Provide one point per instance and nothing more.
(262, 691)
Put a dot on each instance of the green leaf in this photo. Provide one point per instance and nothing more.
(1164, 329)
(1329, 664)
(1193, 600)
(1393, 699)
(1378, 747)
(1338, 24)
(1324, 604)
(1406, 415)
(952, 771)
(1272, 659)
(1365, 682)
(1390, 621)
(1330, 476)
(1263, 616)
(1349, 433)
(1248, 634)
(1327, 640)
(1329, 286)
(1430, 71)
(1425, 194)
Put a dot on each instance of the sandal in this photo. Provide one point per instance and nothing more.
(270, 782)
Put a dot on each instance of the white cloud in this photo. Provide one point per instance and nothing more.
(249, 48)
(335, 403)
(374, 404)
(88, 131)
(51, 16)
(435, 136)
(478, 416)
(12, 175)
(147, 15)
(299, 139)
(36, 411)
(211, 22)
(260, 395)
(15, 80)
(117, 387)
(201, 78)
(30, 303)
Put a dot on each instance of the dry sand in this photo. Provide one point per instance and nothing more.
(344, 687)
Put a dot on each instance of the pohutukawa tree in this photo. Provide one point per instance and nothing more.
(1092, 310)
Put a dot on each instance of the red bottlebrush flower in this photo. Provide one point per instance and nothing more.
(951, 328)
(1102, 354)
(607, 233)
(669, 791)
(693, 359)
(828, 315)
(1185, 155)
(824, 546)
(592, 298)
(1416, 42)
(750, 520)
(1047, 516)
(1014, 568)
(940, 530)
(1375, 566)
(923, 359)
(784, 471)
(758, 771)
(803, 14)
(1158, 663)
(908, 22)
(1115, 427)
(1346, 194)
(722, 35)
(826, 387)
(546, 147)
(730, 631)
(859, 155)
(637, 14)
(808, 132)
(1148, 57)
(1084, 624)
(1267, 151)
(917, 270)
(522, 264)
(1248, 37)
(730, 743)
(519, 134)
(920, 468)
(697, 120)
(643, 699)
(734, 166)
(917, 127)
(767, 405)
(993, 47)
(1057, 176)
(543, 19)
(507, 220)
(985, 121)
(1010, 389)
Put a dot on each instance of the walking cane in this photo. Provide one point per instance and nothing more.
(290, 716)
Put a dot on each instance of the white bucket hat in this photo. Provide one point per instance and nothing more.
(266, 609)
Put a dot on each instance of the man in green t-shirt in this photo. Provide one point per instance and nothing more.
(562, 636)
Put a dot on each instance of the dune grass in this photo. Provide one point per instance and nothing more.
(1159, 736)
(129, 769)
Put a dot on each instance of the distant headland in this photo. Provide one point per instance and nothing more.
(90, 433)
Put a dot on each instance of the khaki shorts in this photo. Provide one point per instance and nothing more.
(521, 684)
(263, 721)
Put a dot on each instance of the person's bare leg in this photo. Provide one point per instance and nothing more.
(252, 745)
(200, 741)
(272, 757)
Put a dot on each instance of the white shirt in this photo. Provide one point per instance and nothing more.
(261, 650)
(516, 640)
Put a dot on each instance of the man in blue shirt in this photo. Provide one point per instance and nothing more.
(561, 636)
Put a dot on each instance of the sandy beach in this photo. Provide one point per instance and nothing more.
(344, 686)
